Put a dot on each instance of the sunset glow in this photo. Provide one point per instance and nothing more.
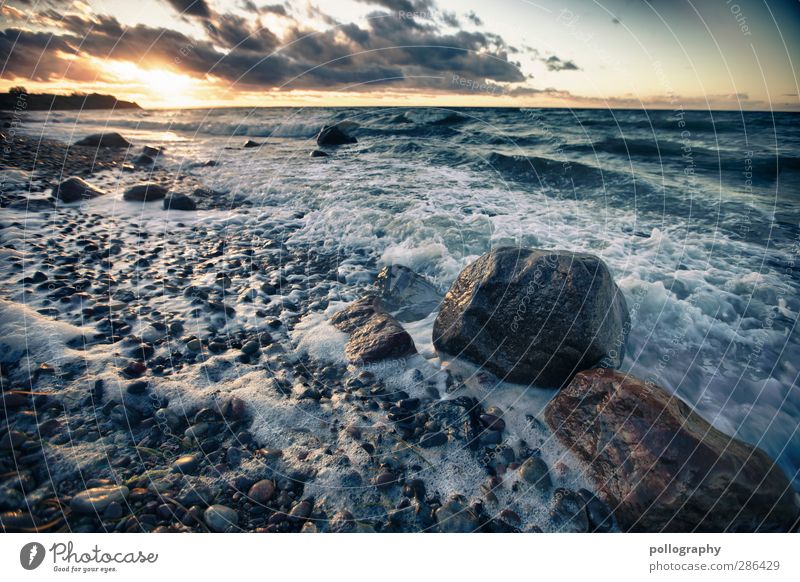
(360, 52)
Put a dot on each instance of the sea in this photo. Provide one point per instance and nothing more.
(696, 213)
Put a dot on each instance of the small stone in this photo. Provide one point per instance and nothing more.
(568, 512)
(534, 471)
(187, 464)
(194, 345)
(134, 369)
(97, 499)
(385, 480)
(492, 422)
(179, 202)
(262, 491)
(453, 517)
(146, 192)
(139, 387)
(302, 510)
(250, 348)
(221, 518)
(113, 511)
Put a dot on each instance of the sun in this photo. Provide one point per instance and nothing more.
(160, 87)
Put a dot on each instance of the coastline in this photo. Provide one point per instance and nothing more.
(245, 437)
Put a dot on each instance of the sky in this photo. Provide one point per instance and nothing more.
(699, 54)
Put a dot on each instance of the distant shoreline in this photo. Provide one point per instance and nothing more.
(20, 101)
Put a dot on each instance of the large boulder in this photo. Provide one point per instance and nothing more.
(407, 295)
(74, 189)
(534, 316)
(104, 140)
(374, 334)
(660, 466)
(332, 135)
(146, 192)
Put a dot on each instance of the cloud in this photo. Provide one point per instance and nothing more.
(407, 53)
(474, 18)
(402, 5)
(555, 64)
(198, 8)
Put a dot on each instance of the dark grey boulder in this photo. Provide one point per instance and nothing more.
(407, 295)
(319, 154)
(144, 160)
(179, 202)
(74, 189)
(534, 316)
(147, 192)
(374, 334)
(104, 140)
(252, 144)
(332, 135)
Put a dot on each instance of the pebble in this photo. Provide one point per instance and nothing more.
(262, 491)
(221, 518)
(97, 499)
(534, 471)
(454, 517)
(187, 464)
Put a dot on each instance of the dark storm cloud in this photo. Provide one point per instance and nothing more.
(251, 6)
(450, 19)
(38, 56)
(474, 18)
(191, 7)
(402, 5)
(388, 49)
(555, 64)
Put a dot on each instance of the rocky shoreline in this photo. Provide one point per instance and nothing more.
(193, 391)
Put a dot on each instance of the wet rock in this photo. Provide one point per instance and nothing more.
(146, 192)
(332, 135)
(75, 189)
(179, 202)
(534, 472)
(601, 519)
(661, 467)
(407, 295)
(261, 491)
(385, 479)
(568, 511)
(319, 154)
(302, 510)
(187, 464)
(252, 144)
(104, 140)
(455, 517)
(97, 499)
(374, 334)
(534, 316)
(492, 422)
(144, 160)
(221, 519)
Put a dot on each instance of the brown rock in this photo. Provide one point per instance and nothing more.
(661, 467)
(374, 334)
(262, 491)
